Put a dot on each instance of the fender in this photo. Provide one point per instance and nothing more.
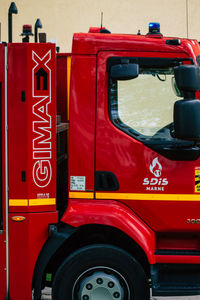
(58, 235)
(115, 214)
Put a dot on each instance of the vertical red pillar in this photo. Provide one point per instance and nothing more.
(3, 284)
(32, 127)
(31, 158)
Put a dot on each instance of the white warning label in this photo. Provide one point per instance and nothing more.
(77, 183)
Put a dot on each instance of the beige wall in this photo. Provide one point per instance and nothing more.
(60, 18)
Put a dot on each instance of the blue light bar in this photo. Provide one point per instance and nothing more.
(155, 25)
(154, 28)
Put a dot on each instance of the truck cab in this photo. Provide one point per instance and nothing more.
(133, 156)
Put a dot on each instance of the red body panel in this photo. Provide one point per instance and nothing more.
(3, 232)
(32, 126)
(82, 119)
(129, 160)
(177, 259)
(121, 154)
(26, 240)
(115, 214)
(32, 158)
(94, 43)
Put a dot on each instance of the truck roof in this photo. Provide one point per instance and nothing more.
(92, 43)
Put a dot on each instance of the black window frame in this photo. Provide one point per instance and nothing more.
(170, 147)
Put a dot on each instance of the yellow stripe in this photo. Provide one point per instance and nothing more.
(68, 83)
(32, 202)
(81, 195)
(18, 202)
(155, 197)
(45, 201)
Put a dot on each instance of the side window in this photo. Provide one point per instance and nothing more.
(143, 107)
(146, 103)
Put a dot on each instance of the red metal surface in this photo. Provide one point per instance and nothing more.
(92, 43)
(117, 152)
(26, 240)
(82, 119)
(96, 29)
(32, 124)
(115, 214)
(130, 160)
(177, 259)
(173, 240)
(32, 149)
(3, 235)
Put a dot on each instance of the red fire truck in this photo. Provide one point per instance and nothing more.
(102, 202)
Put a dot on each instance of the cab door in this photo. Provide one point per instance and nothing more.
(138, 161)
(3, 243)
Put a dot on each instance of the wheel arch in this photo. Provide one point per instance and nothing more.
(114, 214)
(113, 224)
(100, 234)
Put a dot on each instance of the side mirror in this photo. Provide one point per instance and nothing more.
(187, 77)
(124, 71)
(187, 111)
(187, 119)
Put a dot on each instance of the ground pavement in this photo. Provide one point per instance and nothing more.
(47, 296)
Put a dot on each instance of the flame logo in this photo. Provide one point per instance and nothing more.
(155, 168)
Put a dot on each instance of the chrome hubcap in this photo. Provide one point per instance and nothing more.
(101, 283)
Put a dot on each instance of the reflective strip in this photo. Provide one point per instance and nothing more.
(153, 197)
(18, 202)
(68, 82)
(32, 202)
(45, 201)
(81, 195)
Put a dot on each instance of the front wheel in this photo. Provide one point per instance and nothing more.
(100, 272)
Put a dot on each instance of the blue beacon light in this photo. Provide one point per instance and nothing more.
(154, 28)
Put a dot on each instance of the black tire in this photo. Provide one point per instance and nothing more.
(93, 268)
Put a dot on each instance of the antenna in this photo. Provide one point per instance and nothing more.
(187, 18)
(101, 20)
(38, 24)
(103, 29)
(12, 10)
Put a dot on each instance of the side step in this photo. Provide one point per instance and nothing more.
(175, 279)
